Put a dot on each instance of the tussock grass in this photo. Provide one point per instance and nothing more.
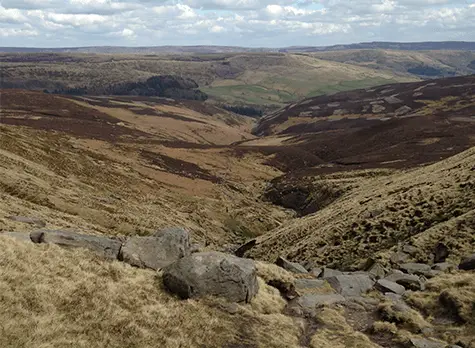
(53, 297)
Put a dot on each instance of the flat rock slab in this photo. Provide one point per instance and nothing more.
(293, 267)
(351, 285)
(102, 246)
(415, 268)
(158, 251)
(307, 304)
(409, 281)
(468, 263)
(385, 286)
(212, 274)
(22, 236)
(425, 343)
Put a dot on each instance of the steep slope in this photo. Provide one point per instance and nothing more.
(422, 206)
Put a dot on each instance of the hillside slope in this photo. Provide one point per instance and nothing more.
(421, 207)
(128, 166)
(398, 125)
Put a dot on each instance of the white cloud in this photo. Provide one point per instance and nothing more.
(232, 22)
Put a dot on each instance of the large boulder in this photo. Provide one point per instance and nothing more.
(417, 342)
(157, 251)
(329, 272)
(351, 284)
(212, 273)
(102, 246)
(468, 263)
(293, 267)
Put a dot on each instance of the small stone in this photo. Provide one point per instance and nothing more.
(441, 253)
(399, 257)
(329, 272)
(293, 267)
(385, 286)
(468, 263)
(316, 272)
(377, 271)
(443, 266)
(409, 249)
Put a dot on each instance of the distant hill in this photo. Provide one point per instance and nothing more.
(410, 46)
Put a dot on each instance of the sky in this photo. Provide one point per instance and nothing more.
(251, 23)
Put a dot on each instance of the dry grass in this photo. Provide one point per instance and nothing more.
(100, 187)
(52, 297)
(337, 333)
(423, 205)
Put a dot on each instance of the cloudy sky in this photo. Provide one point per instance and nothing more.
(269, 23)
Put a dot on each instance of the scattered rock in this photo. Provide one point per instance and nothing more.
(386, 286)
(403, 110)
(293, 267)
(415, 268)
(410, 249)
(28, 220)
(399, 257)
(432, 273)
(377, 271)
(316, 272)
(468, 263)
(329, 272)
(441, 253)
(351, 285)
(196, 248)
(102, 246)
(409, 281)
(443, 266)
(212, 273)
(22, 236)
(425, 343)
(158, 251)
(376, 109)
(308, 303)
(392, 100)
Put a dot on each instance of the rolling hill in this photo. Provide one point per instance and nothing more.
(262, 79)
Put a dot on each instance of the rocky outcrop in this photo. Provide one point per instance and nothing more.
(385, 286)
(102, 246)
(212, 274)
(157, 251)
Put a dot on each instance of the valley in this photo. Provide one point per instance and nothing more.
(346, 212)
